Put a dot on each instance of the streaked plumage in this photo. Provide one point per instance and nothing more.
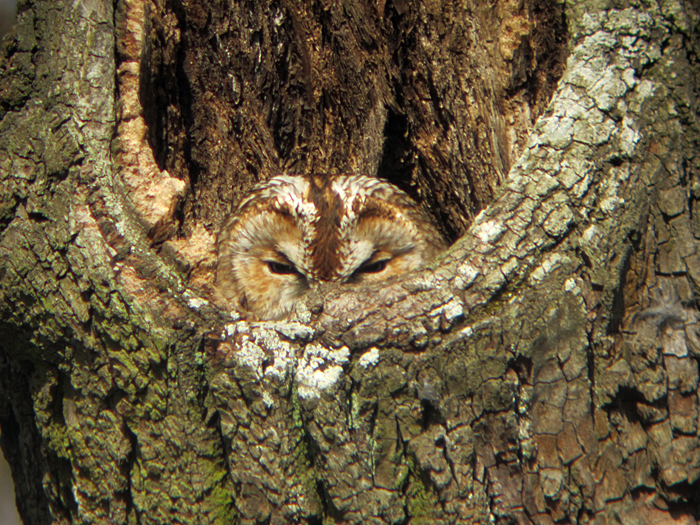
(293, 233)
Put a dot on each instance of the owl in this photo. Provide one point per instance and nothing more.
(292, 234)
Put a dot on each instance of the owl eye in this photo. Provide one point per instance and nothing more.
(281, 268)
(373, 266)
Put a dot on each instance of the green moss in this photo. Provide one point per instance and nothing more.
(421, 502)
(221, 502)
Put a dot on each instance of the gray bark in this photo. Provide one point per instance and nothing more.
(544, 369)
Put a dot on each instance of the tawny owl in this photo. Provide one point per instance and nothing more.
(294, 233)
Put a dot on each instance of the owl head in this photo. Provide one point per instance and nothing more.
(294, 233)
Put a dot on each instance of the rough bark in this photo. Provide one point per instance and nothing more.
(544, 370)
(408, 91)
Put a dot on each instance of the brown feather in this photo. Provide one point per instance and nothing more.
(325, 247)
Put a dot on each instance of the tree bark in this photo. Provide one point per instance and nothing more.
(543, 370)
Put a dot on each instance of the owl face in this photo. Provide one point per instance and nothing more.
(294, 233)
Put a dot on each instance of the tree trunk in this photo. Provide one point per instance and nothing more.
(543, 370)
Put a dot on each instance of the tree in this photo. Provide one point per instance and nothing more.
(545, 369)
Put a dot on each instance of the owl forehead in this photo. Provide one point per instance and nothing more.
(286, 194)
(357, 188)
(306, 196)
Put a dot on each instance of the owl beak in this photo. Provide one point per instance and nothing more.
(314, 300)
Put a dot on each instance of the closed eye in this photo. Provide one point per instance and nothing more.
(282, 268)
(373, 266)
